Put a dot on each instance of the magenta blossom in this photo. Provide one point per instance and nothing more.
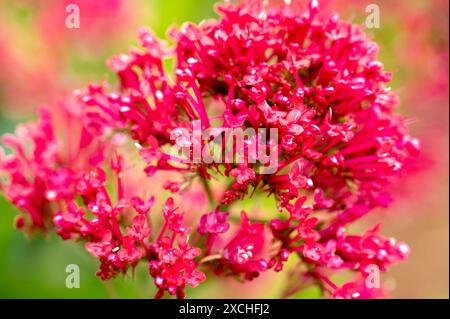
(313, 78)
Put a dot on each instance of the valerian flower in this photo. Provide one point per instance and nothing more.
(313, 78)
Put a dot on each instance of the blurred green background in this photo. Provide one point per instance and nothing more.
(41, 60)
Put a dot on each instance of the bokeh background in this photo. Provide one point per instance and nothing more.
(41, 61)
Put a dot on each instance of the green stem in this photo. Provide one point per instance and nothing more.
(209, 193)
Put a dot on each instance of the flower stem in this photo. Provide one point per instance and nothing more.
(210, 258)
(208, 191)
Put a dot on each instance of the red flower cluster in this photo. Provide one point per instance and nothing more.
(314, 79)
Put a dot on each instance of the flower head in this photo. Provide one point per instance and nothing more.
(312, 78)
